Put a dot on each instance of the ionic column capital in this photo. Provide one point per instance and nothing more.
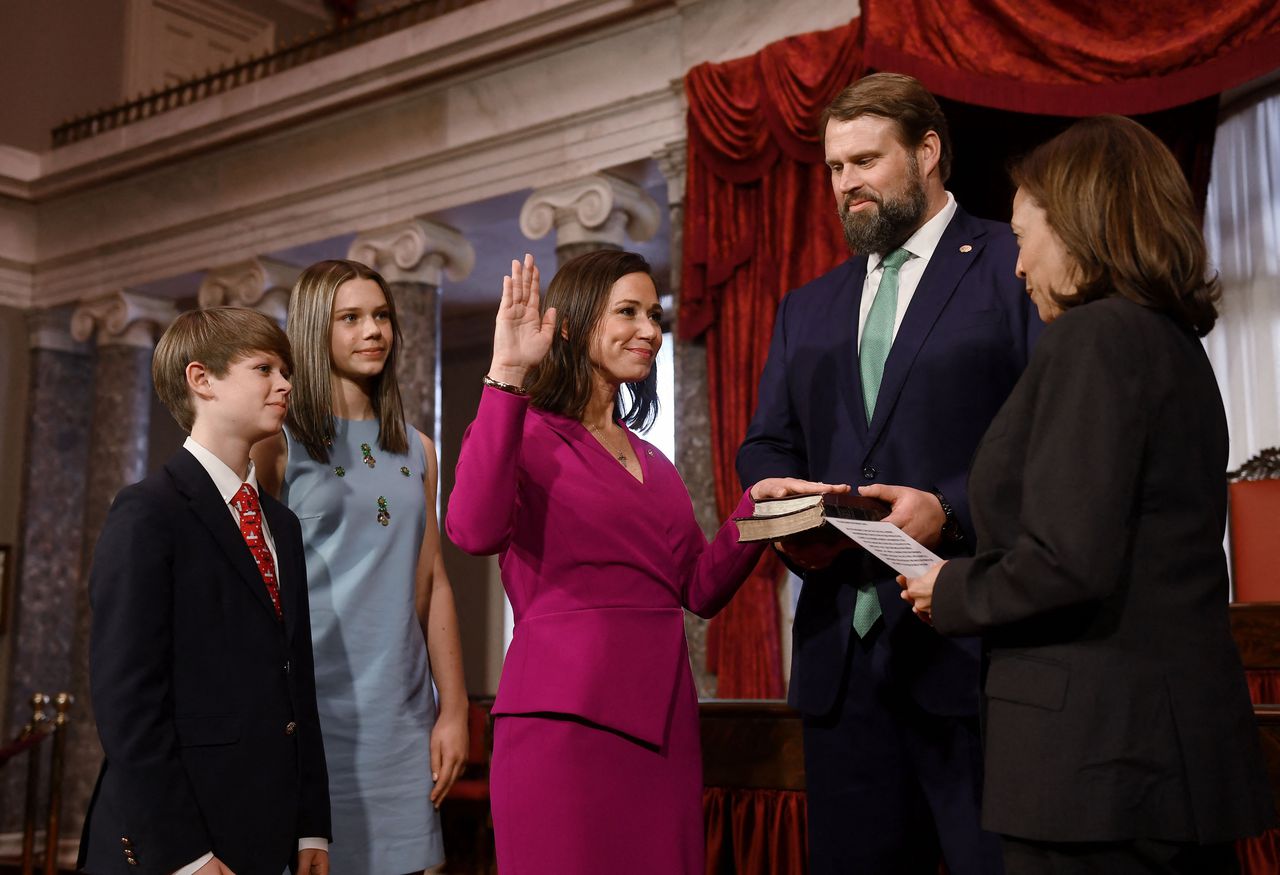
(262, 284)
(593, 209)
(673, 161)
(416, 251)
(122, 319)
(51, 329)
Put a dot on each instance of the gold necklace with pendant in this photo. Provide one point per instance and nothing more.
(621, 457)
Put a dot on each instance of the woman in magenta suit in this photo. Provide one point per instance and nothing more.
(596, 762)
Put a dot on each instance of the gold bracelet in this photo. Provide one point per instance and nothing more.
(504, 387)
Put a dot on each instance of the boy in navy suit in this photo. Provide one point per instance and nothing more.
(200, 656)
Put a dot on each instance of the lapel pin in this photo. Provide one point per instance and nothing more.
(966, 248)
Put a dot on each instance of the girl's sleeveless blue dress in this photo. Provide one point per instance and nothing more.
(363, 516)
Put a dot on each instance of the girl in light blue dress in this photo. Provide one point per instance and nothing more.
(363, 484)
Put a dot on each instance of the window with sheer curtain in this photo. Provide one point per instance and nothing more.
(1242, 231)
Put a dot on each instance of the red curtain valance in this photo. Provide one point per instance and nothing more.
(744, 116)
(1064, 57)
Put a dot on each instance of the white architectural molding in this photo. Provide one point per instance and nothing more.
(262, 284)
(226, 214)
(594, 209)
(462, 39)
(416, 251)
(466, 107)
(18, 169)
(673, 161)
(16, 284)
(18, 251)
(122, 319)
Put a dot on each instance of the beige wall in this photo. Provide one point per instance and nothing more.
(13, 398)
(68, 56)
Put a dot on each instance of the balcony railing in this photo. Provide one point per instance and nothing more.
(376, 23)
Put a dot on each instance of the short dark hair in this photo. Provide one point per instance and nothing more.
(216, 338)
(902, 100)
(1120, 204)
(561, 382)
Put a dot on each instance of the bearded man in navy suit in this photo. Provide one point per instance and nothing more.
(884, 374)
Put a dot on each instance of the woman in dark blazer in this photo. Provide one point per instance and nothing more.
(1118, 731)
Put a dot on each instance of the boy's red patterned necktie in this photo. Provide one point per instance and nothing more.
(246, 504)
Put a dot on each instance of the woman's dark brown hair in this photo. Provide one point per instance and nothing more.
(310, 416)
(1117, 199)
(562, 381)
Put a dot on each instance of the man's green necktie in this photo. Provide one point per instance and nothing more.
(877, 337)
(877, 334)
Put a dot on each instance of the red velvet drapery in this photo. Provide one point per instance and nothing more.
(759, 221)
(1064, 57)
(755, 831)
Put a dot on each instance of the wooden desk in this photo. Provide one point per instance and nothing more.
(751, 743)
(1256, 629)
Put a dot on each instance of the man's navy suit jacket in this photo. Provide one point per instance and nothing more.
(205, 702)
(962, 344)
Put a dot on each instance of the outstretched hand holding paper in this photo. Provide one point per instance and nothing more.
(905, 555)
(890, 545)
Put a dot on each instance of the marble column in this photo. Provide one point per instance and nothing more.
(414, 257)
(125, 327)
(46, 575)
(693, 414)
(261, 284)
(594, 212)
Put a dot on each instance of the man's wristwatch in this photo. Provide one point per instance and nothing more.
(951, 530)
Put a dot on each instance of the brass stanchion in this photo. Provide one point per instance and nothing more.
(63, 703)
(37, 724)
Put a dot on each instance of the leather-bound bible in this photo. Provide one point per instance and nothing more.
(778, 518)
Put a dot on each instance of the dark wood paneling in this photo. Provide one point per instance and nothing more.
(751, 743)
(1268, 720)
(1256, 629)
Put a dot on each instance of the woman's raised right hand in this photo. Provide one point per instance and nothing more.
(521, 335)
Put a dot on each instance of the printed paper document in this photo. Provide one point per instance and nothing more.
(890, 545)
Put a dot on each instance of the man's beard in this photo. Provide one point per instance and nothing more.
(892, 221)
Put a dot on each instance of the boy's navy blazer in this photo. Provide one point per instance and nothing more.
(962, 344)
(205, 702)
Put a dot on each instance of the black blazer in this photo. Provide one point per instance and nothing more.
(205, 702)
(1116, 706)
(960, 349)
